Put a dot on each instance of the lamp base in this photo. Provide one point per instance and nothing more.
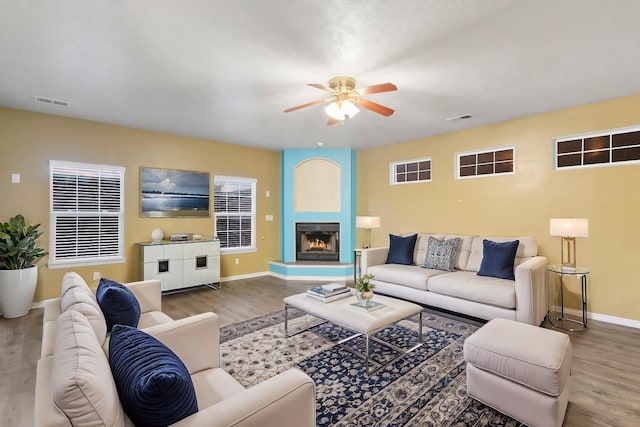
(568, 251)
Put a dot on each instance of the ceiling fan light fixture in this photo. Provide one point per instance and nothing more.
(341, 112)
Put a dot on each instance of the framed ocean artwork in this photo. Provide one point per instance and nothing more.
(173, 193)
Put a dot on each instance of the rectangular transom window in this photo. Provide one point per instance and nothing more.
(598, 149)
(493, 161)
(410, 171)
(86, 214)
(234, 204)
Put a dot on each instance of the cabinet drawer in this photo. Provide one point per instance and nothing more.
(152, 253)
(211, 248)
(173, 251)
(192, 250)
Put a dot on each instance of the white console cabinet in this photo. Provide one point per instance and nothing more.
(180, 265)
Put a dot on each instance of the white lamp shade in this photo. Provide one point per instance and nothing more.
(347, 109)
(569, 227)
(368, 222)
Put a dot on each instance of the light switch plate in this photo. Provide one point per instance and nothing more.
(15, 178)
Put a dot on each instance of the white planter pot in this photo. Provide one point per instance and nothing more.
(17, 288)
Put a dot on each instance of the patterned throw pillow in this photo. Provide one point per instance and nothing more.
(441, 255)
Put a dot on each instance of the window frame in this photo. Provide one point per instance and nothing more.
(393, 173)
(493, 150)
(253, 214)
(583, 136)
(54, 261)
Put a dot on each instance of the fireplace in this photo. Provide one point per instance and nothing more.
(317, 241)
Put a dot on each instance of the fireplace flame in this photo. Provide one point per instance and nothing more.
(317, 245)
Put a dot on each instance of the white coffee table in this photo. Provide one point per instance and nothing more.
(359, 321)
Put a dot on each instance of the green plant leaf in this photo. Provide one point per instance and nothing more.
(18, 244)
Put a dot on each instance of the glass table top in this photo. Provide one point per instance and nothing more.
(563, 269)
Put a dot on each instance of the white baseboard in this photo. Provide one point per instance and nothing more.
(244, 276)
(604, 318)
(313, 278)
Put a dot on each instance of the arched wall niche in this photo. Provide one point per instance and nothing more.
(317, 186)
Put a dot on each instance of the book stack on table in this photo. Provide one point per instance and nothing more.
(329, 292)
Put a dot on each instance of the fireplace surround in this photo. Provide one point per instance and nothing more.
(317, 241)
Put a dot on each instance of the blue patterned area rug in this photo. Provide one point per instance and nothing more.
(426, 387)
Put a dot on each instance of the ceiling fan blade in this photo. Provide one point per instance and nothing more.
(384, 87)
(321, 87)
(308, 104)
(376, 108)
(331, 121)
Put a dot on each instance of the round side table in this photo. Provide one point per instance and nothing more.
(556, 318)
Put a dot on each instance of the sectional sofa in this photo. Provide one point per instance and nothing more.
(462, 290)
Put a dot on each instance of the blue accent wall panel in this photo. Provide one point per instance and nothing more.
(347, 160)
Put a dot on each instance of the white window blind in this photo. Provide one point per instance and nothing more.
(234, 204)
(87, 214)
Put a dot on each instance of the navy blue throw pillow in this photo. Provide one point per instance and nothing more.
(153, 384)
(401, 249)
(118, 304)
(498, 259)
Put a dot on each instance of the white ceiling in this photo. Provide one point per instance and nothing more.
(226, 70)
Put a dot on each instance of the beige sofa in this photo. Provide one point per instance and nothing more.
(463, 291)
(74, 386)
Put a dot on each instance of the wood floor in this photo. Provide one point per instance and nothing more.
(605, 380)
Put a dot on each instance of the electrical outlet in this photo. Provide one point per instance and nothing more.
(96, 275)
(237, 261)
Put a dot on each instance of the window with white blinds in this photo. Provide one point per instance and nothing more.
(234, 205)
(87, 214)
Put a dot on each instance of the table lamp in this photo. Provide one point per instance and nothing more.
(569, 229)
(367, 223)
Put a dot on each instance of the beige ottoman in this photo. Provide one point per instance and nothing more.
(520, 370)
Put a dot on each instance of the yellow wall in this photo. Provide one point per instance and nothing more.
(522, 204)
(30, 140)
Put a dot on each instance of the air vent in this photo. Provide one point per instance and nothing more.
(457, 118)
(52, 101)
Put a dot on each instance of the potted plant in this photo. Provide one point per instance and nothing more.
(364, 289)
(18, 270)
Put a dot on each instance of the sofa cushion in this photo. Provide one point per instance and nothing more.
(469, 286)
(441, 255)
(73, 280)
(95, 318)
(405, 275)
(213, 386)
(153, 318)
(153, 384)
(81, 298)
(401, 249)
(118, 304)
(526, 249)
(81, 385)
(498, 258)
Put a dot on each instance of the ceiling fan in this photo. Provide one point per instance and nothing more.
(346, 97)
